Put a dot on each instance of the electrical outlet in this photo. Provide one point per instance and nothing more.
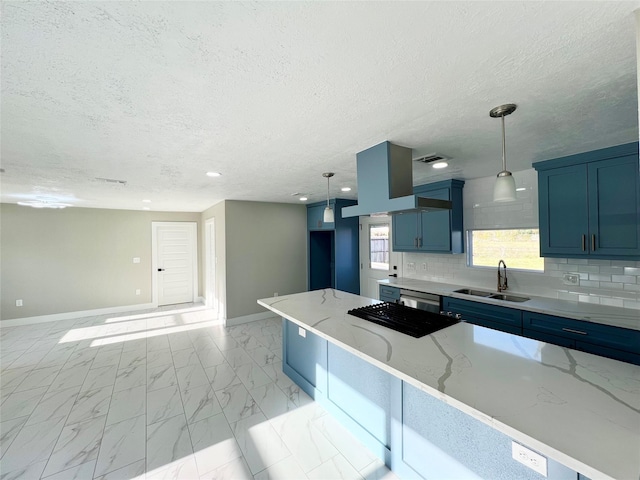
(138, 291)
(302, 332)
(136, 259)
(424, 266)
(18, 303)
(571, 279)
(411, 266)
(529, 458)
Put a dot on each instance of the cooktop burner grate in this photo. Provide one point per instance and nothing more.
(401, 318)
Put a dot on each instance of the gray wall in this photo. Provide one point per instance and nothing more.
(264, 252)
(76, 259)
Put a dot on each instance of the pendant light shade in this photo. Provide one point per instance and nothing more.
(328, 211)
(505, 188)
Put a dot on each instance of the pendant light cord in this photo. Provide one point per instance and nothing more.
(328, 206)
(504, 147)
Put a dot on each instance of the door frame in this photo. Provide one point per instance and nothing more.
(210, 297)
(193, 232)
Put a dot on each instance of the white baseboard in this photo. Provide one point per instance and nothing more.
(229, 322)
(16, 322)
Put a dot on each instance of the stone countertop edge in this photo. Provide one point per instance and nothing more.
(589, 312)
(317, 321)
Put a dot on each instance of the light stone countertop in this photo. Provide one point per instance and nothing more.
(606, 315)
(582, 410)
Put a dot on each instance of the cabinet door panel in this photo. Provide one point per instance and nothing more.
(613, 206)
(553, 339)
(564, 216)
(503, 327)
(581, 331)
(306, 355)
(405, 232)
(435, 227)
(609, 352)
(483, 311)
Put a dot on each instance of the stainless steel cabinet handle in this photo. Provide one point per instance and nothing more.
(571, 330)
(419, 241)
(593, 242)
(584, 243)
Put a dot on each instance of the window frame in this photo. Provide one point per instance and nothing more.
(377, 225)
(469, 254)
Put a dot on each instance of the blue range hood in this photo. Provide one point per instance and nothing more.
(385, 183)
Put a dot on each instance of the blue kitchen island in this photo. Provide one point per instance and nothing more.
(454, 404)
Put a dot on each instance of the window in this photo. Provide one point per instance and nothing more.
(519, 248)
(379, 246)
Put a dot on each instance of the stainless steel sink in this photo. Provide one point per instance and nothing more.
(496, 296)
(475, 293)
(509, 298)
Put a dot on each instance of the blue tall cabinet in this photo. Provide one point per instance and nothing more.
(589, 204)
(334, 254)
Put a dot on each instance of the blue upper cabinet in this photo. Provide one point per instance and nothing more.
(435, 232)
(315, 216)
(589, 204)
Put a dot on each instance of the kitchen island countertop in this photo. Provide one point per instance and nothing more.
(590, 312)
(579, 409)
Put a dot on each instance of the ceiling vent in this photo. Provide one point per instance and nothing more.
(431, 158)
(111, 180)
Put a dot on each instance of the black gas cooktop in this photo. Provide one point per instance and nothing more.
(410, 321)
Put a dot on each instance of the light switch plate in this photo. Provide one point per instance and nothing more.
(302, 332)
(529, 458)
(136, 259)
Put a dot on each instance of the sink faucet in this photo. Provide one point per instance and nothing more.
(502, 286)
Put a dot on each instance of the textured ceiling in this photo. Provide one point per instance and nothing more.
(273, 94)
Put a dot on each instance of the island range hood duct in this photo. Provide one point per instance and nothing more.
(385, 184)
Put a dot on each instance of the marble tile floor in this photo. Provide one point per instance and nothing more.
(163, 394)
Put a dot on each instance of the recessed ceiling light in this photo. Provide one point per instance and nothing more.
(146, 200)
(346, 189)
(214, 174)
(440, 165)
(521, 189)
(44, 204)
(303, 199)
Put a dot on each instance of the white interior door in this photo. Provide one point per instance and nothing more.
(377, 261)
(175, 268)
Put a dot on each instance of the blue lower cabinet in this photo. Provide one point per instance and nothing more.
(492, 316)
(604, 340)
(553, 339)
(359, 396)
(304, 358)
(414, 433)
(621, 355)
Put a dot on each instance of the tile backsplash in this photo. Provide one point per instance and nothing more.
(606, 282)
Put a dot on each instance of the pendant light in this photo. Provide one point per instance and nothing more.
(328, 211)
(505, 188)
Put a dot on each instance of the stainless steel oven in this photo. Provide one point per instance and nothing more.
(421, 301)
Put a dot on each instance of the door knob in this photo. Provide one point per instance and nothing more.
(394, 275)
(161, 269)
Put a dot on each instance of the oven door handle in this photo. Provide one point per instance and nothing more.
(419, 300)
